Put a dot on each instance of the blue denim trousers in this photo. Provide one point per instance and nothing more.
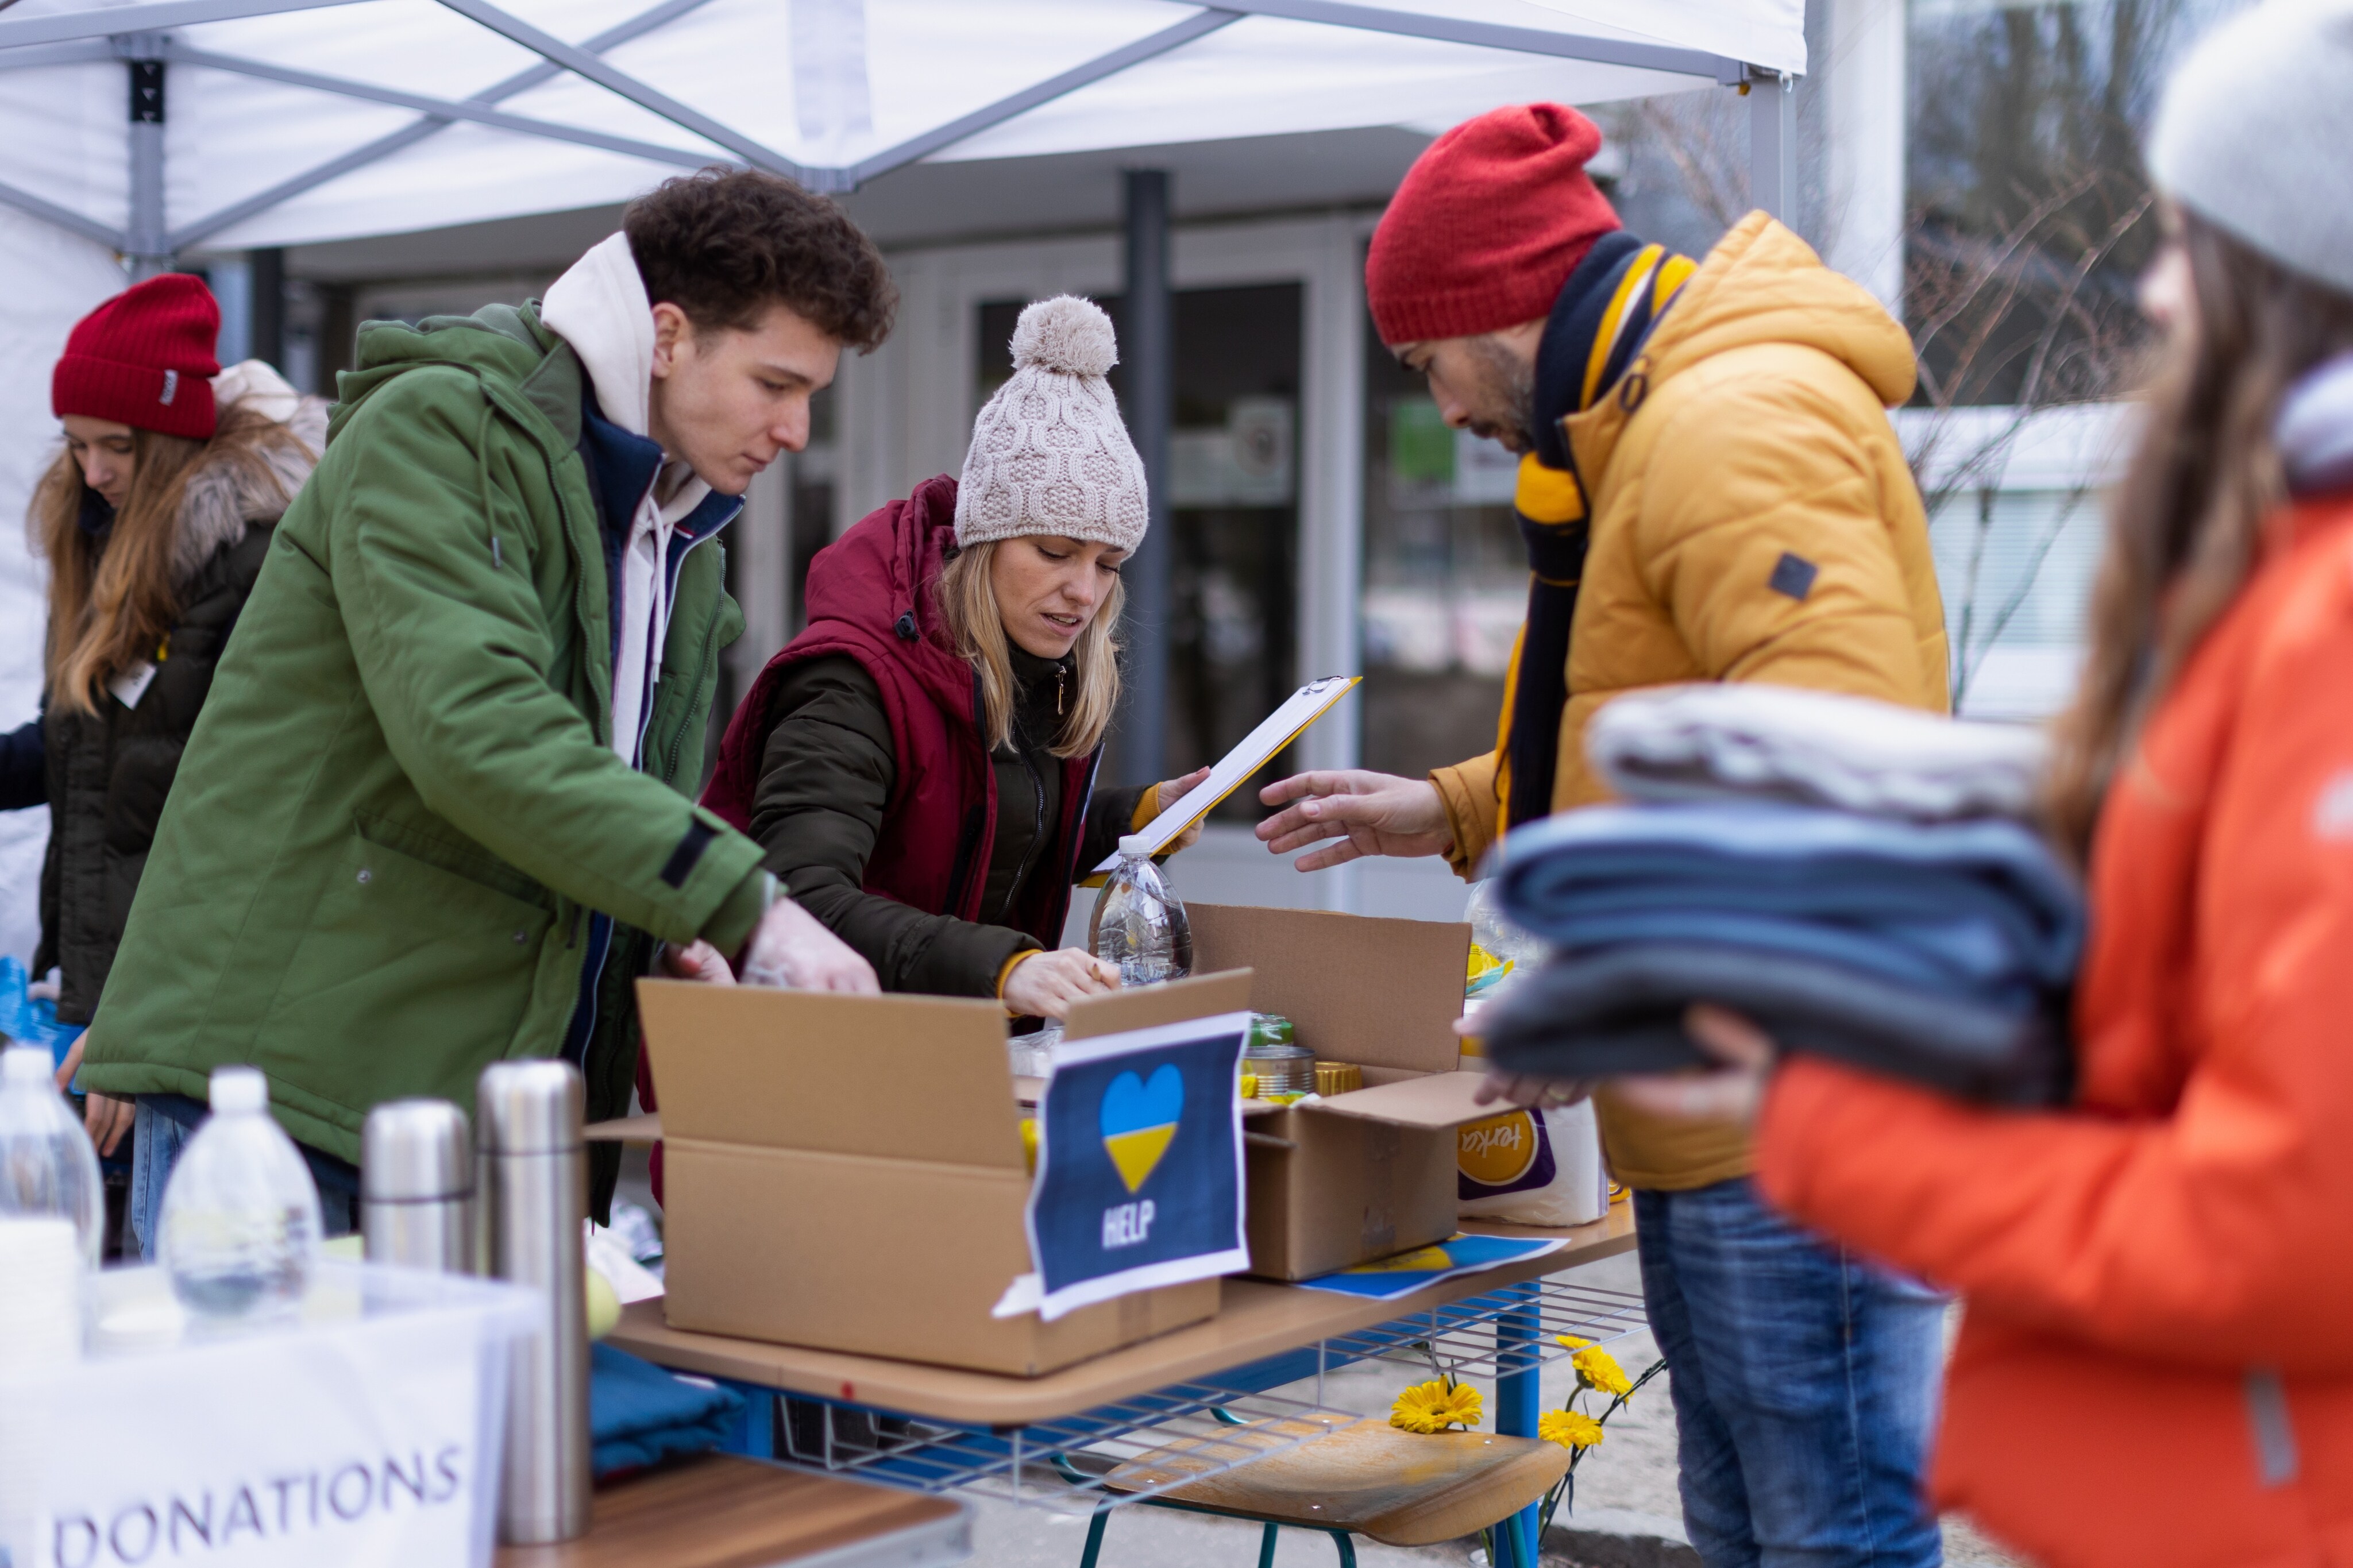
(1805, 1386)
(162, 1129)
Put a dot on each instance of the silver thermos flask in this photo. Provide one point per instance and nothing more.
(417, 1186)
(534, 1177)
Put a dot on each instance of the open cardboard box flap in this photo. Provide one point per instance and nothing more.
(914, 1078)
(1382, 994)
(1441, 1100)
(1203, 995)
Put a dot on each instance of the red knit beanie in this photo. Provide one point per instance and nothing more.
(144, 359)
(1487, 225)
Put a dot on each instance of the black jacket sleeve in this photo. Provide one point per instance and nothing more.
(23, 765)
(1110, 816)
(826, 774)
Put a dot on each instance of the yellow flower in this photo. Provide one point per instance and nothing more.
(1568, 1429)
(1596, 1368)
(1435, 1405)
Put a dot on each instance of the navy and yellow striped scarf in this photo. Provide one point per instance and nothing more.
(1599, 322)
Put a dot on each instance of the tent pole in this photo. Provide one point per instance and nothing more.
(268, 306)
(143, 54)
(1148, 345)
(1772, 142)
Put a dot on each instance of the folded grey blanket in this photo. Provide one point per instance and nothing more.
(1619, 1009)
(1718, 741)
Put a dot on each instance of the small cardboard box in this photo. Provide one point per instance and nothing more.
(847, 1172)
(1370, 1172)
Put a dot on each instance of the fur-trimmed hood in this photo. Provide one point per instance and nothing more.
(223, 498)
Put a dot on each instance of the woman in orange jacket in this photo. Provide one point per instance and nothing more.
(2155, 1366)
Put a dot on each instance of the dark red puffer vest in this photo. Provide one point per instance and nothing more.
(870, 597)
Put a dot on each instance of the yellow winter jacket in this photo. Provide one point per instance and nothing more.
(1751, 427)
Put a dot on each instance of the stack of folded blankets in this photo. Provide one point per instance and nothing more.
(1861, 879)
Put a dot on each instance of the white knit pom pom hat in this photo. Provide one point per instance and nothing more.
(1048, 452)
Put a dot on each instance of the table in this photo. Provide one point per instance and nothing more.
(1265, 1335)
(720, 1512)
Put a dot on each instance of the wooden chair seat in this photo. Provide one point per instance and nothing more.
(1405, 1489)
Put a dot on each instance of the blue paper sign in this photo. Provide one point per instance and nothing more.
(1387, 1278)
(1139, 1179)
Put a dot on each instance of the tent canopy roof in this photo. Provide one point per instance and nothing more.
(286, 122)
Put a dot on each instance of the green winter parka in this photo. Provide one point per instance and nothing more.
(400, 805)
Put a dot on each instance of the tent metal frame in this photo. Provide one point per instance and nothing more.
(141, 36)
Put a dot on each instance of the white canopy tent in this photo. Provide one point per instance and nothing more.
(153, 129)
(265, 122)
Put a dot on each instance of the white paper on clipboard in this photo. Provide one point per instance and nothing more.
(1276, 731)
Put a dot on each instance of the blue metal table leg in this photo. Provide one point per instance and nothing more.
(1517, 1399)
(753, 1433)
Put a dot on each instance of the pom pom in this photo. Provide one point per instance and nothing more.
(1065, 334)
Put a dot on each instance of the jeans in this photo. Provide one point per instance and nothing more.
(1805, 1386)
(164, 1124)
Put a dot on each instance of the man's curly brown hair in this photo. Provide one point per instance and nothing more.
(725, 244)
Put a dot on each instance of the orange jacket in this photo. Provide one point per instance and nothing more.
(2155, 1366)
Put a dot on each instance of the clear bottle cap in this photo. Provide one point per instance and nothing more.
(26, 1064)
(1133, 844)
(239, 1092)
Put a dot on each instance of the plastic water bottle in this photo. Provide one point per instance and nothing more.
(240, 1224)
(1139, 922)
(48, 1167)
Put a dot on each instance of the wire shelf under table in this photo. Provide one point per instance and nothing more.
(1191, 1431)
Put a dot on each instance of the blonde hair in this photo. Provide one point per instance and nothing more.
(968, 603)
(110, 607)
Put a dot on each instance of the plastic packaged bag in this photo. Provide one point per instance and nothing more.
(1533, 1167)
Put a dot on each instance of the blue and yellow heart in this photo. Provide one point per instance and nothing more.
(1139, 1121)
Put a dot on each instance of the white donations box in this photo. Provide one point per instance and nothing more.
(368, 1434)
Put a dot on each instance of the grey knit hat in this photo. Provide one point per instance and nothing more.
(2253, 132)
(1048, 452)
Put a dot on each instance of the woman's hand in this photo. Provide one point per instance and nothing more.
(698, 960)
(790, 947)
(103, 1117)
(1732, 1092)
(1168, 793)
(1045, 984)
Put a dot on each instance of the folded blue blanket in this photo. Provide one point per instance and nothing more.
(1966, 909)
(1620, 1009)
(639, 1414)
(1941, 952)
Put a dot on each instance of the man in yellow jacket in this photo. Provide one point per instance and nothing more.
(1709, 490)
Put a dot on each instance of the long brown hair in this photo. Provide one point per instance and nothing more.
(2185, 523)
(110, 605)
(968, 607)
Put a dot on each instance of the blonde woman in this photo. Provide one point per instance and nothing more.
(919, 763)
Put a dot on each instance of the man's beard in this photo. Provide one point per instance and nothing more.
(1507, 414)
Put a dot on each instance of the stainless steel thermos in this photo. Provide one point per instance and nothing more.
(533, 1179)
(417, 1186)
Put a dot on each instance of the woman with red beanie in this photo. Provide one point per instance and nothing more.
(153, 518)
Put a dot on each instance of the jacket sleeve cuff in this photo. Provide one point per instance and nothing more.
(738, 915)
(1467, 793)
(1012, 964)
(1147, 807)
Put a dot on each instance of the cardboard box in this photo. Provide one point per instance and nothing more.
(1371, 1173)
(847, 1172)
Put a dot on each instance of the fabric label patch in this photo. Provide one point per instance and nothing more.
(1793, 574)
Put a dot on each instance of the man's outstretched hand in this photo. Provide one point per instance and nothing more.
(789, 947)
(1369, 813)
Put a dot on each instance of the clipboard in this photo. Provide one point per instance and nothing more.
(1257, 749)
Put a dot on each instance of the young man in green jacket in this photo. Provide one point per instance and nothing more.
(438, 809)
